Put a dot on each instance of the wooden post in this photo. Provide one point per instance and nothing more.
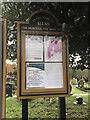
(24, 109)
(0, 72)
(62, 108)
(3, 31)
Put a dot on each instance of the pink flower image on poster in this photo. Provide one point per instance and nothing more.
(54, 47)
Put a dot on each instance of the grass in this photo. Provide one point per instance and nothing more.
(42, 108)
(87, 85)
(77, 111)
(13, 108)
(77, 91)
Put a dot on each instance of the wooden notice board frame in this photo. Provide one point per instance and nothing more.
(3, 23)
(40, 26)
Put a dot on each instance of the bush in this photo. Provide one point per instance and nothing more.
(74, 81)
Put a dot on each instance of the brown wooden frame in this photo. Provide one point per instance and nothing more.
(22, 92)
(42, 91)
(4, 68)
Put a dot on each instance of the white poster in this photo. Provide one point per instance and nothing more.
(54, 75)
(34, 48)
(52, 49)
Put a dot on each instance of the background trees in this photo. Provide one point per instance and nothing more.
(73, 15)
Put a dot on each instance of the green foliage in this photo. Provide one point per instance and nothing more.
(72, 72)
(80, 73)
(74, 82)
(13, 85)
(74, 15)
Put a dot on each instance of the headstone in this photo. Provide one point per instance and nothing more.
(81, 83)
(9, 89)
(79, 100)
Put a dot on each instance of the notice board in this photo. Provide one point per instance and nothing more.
(42, 57)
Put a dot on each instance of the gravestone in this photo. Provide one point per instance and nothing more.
(81, 83)
(79, 100)
(9, 89)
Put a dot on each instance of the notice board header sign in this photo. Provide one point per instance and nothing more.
(42, 58)
(42, 21)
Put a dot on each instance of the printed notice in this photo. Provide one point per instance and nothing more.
(35, 75)
(52, 49)
(34, 48)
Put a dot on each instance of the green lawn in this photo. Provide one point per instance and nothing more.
(40, 108)
(77, 91)
(77, 111)
(13, 108)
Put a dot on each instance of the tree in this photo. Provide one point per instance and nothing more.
(73, 15)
